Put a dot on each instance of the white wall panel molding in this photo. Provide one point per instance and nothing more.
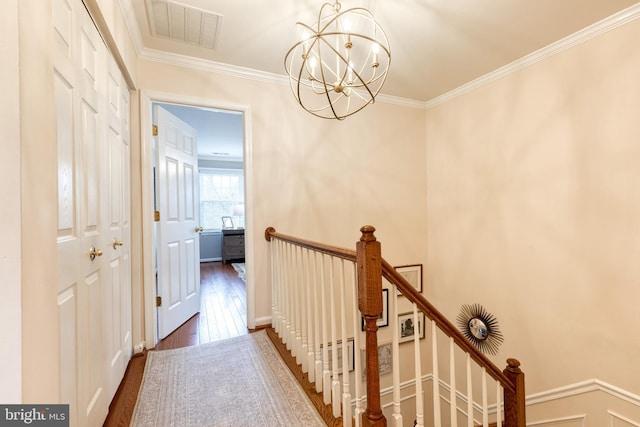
(587, 386)
(617, 420)
(550, 396)
(572, 420)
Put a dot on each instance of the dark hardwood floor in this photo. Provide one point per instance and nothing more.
(223, 314)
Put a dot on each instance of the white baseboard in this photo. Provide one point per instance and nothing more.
(139, 348)
(262, 321)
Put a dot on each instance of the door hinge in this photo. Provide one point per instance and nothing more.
(156, 216)
(154, 130)
(158, 301)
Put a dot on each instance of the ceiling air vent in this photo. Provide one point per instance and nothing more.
(184, 23)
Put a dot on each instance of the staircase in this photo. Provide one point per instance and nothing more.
(329, 303)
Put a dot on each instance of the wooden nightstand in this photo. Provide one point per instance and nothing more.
(232, 245)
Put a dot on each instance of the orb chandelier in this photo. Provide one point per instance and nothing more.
(340, 62)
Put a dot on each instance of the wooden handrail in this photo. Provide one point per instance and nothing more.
(444, 324)
(346, 254)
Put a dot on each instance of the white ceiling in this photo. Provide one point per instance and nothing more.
(220, 133)
(436, 45)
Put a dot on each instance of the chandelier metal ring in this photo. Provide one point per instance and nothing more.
(340, 64)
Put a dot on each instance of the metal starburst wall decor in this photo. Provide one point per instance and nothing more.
(480, 328)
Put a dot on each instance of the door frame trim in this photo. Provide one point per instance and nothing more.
(147, 98)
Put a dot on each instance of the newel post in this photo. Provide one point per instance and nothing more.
(514, 403)
(369, 262)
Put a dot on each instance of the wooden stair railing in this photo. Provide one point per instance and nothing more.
(511, 379)
(370, 268)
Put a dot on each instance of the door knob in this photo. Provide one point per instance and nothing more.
(199, 229)
(116, 242)
(93, 253)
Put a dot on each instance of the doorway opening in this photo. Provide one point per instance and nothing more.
(234, 163)
(220, 204)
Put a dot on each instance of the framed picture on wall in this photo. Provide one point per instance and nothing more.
(407, 327)
(383, 319)
(412, 274)
(384, 360)
(350, 356)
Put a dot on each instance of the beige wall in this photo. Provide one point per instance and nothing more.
(534, 207)
(317, 178)
(10, 303)
(40, 355)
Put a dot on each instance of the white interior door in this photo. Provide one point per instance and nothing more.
(178, 242)
(117, 322)
(92, 109)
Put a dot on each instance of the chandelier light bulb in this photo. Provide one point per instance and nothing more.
(340, 62)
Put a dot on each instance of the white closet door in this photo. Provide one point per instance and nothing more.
(117, 296)
(93, 210)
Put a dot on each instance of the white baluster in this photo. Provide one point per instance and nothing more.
(453, 414)
(499, 392)
(293, 307)
(395, 359)
(485, 404)
(335, 384)
(346, 393)
(326, 373)
(469, 393)
(300, 301)
(418, 369)
(317, 289)
(274, 284)
(282, 290)
(310, 311)
(287, 337)
(437, 416)
(293, 286)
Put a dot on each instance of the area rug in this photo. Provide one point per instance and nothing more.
(240, 381)
(239, 267)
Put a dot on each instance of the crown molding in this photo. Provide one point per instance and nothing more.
(247, 73)
(211, 66)
(614, 21)
(403, 102)
(132, 25)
